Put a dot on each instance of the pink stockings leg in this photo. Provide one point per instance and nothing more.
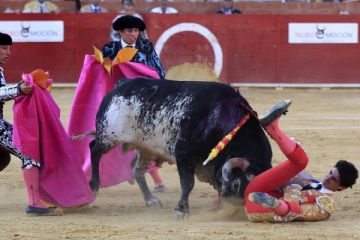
(31, 179)
(285, 143)
(154, 173)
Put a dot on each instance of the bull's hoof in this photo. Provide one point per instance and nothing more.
(94, 187)
(131, 181)
(153, 203)
(181, 215)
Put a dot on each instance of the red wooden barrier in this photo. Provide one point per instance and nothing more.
(255, 48)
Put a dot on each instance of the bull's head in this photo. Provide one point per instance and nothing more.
(235, 177)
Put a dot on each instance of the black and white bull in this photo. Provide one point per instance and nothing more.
(181, 121)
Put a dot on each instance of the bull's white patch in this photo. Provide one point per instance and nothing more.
(132, 121)
(118, 121)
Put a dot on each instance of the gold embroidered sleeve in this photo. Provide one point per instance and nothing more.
(293, 193)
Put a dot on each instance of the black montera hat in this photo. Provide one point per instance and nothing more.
(5, 39)
(128, 21)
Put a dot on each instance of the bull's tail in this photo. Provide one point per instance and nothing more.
(82, 136)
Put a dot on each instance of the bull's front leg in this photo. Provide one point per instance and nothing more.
(141, 165)
(186, 172)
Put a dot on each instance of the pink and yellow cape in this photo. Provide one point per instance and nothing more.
(39, 134)
(97, 78)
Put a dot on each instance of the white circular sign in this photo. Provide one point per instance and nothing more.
(197, 28)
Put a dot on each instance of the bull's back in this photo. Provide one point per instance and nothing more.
(157, 93)
(153, 113)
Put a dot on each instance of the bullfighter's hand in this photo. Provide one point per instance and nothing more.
(25, 89)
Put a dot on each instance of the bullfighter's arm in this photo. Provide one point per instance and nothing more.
(9, 92)
(154, 62)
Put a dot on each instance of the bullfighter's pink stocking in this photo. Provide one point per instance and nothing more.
(154, 173)
(286, 144)
(31, 179)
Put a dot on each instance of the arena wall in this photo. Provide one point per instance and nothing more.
(248, 48)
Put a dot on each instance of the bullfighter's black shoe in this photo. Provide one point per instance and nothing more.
(276, 111)
(50, 211)
(264, 199)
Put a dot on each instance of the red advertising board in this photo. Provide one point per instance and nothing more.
(247, 48)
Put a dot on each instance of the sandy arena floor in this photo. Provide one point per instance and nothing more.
(326, 122)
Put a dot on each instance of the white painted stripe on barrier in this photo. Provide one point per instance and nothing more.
(297, 85)
(324, 128)
(64, 85)
(335, 118)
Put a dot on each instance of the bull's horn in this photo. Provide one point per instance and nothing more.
(241, 163)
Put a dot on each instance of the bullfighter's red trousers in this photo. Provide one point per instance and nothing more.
(269, 181)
